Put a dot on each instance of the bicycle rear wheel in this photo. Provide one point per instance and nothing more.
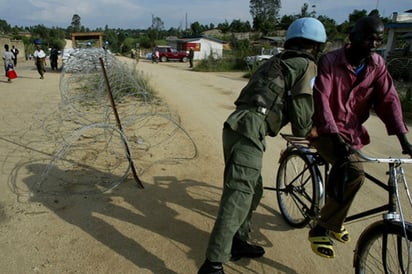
(384, 247)
(298, 188)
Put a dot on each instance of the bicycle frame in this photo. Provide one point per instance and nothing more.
(393, 222)
(300, 168)
(395, 170)
(391, 187)
(390, 206)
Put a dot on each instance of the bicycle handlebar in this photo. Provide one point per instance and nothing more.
(303, 141)
(382, 160)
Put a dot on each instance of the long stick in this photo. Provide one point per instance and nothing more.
(119, 125)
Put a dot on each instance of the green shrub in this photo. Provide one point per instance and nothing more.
(230, 62)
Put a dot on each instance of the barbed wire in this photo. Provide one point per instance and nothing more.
(91, 156)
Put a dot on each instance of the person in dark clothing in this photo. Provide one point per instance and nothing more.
(54, 56)
(191, 55)
(15, 52)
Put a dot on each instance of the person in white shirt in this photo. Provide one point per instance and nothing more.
(40, 58)
(8, 58)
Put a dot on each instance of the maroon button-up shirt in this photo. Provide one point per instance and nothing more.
(343, 100)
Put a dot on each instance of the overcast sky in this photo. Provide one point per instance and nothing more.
(137, 14)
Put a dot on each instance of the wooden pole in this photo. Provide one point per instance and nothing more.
(119, 125)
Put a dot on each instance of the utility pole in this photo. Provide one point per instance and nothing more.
(186, 22)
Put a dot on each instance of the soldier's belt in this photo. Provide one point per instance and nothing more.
(262, 110)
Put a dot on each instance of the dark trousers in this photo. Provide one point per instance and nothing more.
(336, 209)
(40, 66)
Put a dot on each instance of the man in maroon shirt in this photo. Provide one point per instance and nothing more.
(351, 81)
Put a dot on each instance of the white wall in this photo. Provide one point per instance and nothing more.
(209, 47)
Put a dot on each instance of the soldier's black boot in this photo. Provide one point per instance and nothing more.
(209, 267)
(241, 249)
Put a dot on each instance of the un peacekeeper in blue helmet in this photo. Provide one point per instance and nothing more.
(279, 92)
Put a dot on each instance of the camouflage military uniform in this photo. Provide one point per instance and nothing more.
(244, 144)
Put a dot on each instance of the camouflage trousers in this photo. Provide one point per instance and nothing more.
(242, 192)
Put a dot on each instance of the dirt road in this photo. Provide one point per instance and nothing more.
(163, 228)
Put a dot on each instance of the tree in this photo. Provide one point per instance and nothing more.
(240, 26)
(174, 32)
(76, 25)
(196, 28)
(330, 27)
(110, 36)
(145, 42)
(157, 23)
(304, 11)
(40, 31)
(4, 27)
(374, 12)
(224, 27)
(347, 26)
(156, 28)
(265, 14)
(356, 15)
(286, 20)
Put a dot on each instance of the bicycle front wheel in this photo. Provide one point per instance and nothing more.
(297, 188)
(385, 247)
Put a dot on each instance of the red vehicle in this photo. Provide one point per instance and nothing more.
(167, 53)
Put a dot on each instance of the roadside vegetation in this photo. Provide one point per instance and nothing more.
(267, 21)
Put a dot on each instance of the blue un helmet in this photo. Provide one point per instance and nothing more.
(308, 28)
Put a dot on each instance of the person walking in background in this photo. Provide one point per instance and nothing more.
(351, 82)
(155, 56)
(8, 58)
(279, 92)
(191, 55)
(15, 52)
(54, 56)
(40, 58)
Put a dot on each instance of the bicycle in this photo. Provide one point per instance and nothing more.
(385, 245)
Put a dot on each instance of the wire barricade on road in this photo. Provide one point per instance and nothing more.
(90, 144)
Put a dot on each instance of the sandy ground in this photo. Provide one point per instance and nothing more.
(162, 228)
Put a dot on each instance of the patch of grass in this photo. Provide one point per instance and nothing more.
(231, 61)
